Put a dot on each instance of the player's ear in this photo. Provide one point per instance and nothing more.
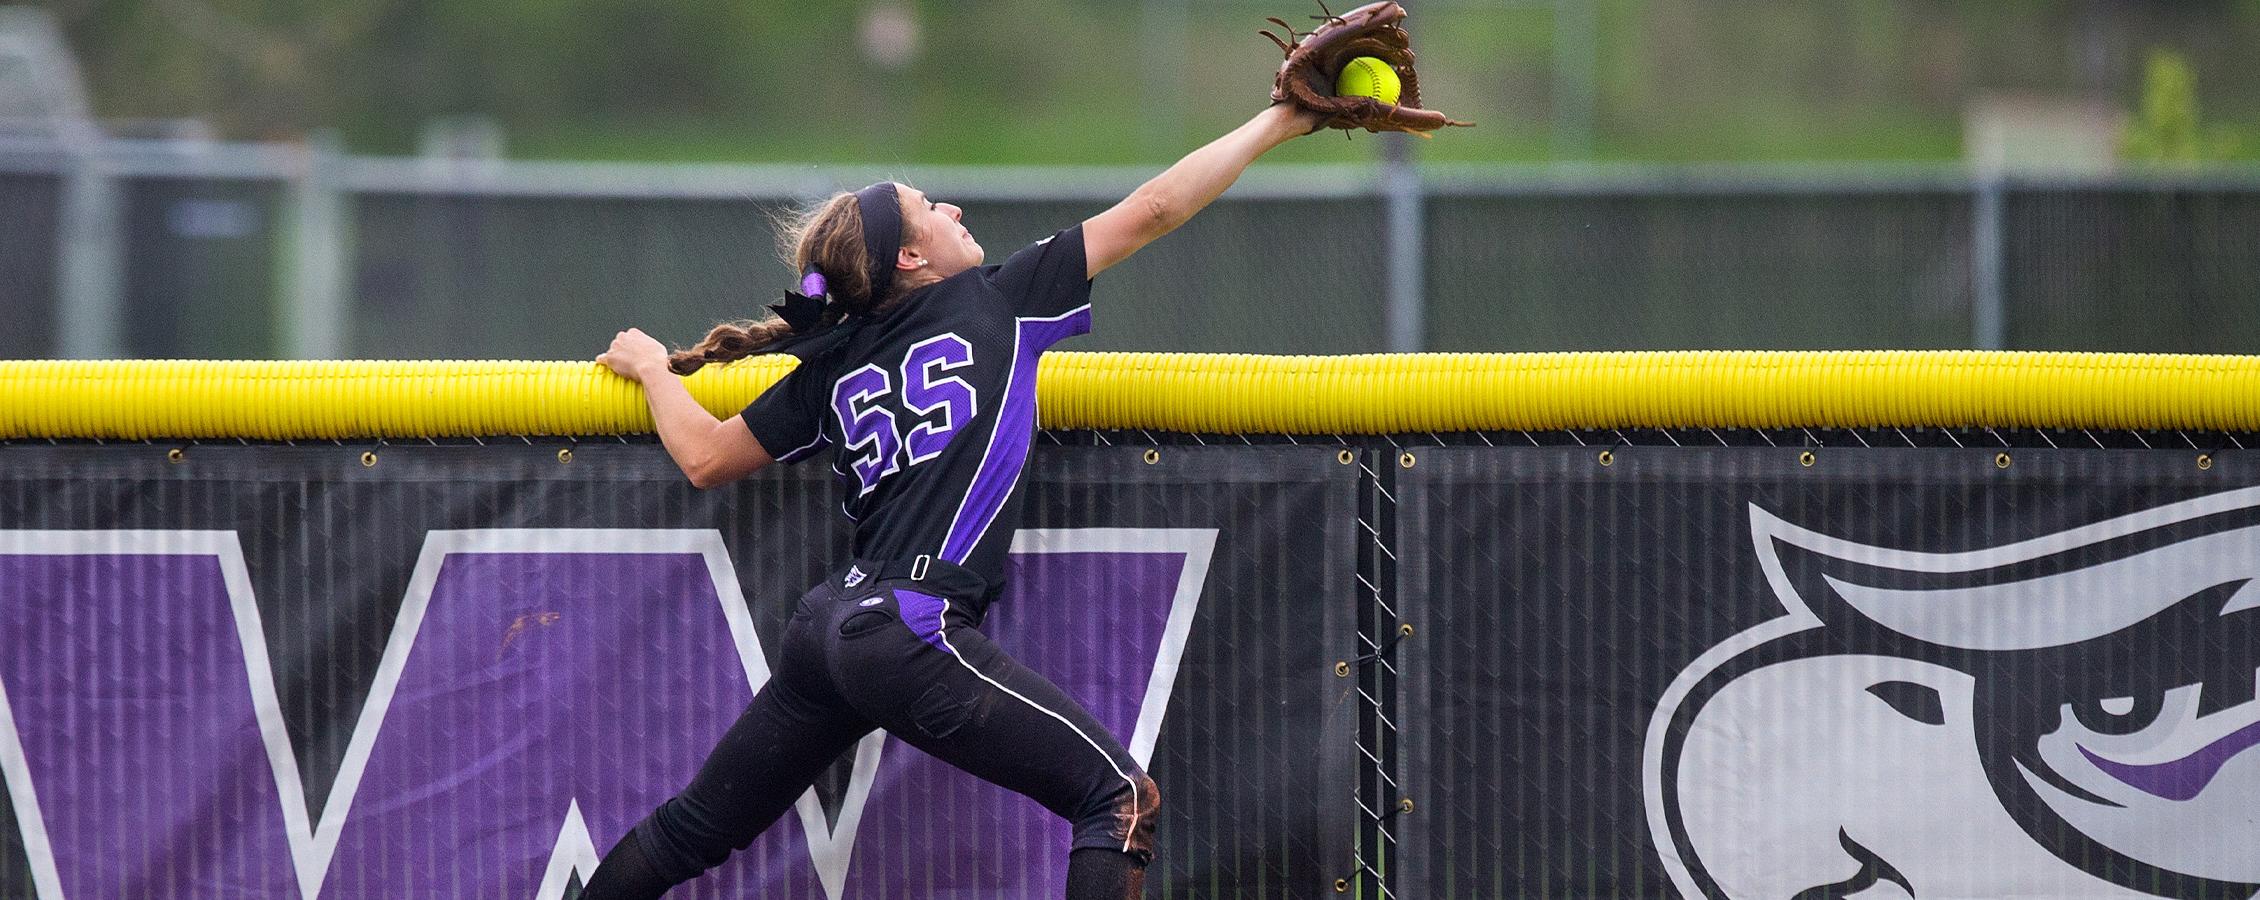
(909, 260)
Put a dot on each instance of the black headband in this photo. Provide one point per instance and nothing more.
(882, 235)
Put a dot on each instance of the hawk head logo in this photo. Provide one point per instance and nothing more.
(2071, 714)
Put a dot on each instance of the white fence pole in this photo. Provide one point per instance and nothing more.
(90, 262)
(315, 284)
(1405, 199)
(1988, 312)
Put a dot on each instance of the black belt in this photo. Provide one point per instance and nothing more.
(936, 575)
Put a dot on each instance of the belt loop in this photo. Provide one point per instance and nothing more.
(918, 567)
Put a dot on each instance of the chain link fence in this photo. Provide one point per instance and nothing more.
(295, 254)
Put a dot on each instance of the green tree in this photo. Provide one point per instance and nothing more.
(2167, 127)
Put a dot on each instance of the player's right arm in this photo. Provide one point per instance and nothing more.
(710, 451)
(1171, 198)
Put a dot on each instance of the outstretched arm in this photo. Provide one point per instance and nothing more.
(1171, 198)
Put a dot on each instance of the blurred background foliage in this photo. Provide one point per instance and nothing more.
(1076, 81)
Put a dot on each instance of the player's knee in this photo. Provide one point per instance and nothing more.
(1131, 812)
(1151, 798)
(683, 842)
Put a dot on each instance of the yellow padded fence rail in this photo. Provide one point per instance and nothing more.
(1228, 393)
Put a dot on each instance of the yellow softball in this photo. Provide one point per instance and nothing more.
(1368, 76)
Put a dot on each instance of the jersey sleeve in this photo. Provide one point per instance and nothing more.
(788, 418)
(1050, 280)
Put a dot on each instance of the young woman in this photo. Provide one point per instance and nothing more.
(918, 371)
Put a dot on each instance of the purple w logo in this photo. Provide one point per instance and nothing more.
(145, 750)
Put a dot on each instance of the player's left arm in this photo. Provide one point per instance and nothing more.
(1171, 198)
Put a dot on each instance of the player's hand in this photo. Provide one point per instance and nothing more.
(1299, 121)
(634, 355)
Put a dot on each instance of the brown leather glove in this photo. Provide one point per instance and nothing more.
(1315, 60)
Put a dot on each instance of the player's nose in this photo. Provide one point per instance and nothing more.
(954, 212)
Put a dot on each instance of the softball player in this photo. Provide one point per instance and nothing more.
(918, 373)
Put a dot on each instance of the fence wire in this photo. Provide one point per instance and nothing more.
(215, 264)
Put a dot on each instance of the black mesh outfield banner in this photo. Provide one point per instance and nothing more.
(464, 671)
(1893, 672)
(1453, 672)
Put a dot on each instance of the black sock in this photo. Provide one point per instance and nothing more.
(625, 874)
(1097, 873)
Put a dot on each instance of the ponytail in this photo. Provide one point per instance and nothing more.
(728, 342)
(826, 238)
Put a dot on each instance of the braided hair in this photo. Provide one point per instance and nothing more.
(827, 236)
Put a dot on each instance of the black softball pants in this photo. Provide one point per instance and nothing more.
(907, 656)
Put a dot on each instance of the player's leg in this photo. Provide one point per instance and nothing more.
(1102, 873)
(794, 729)
(945, 688)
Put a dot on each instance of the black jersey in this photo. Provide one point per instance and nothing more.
(930, 408)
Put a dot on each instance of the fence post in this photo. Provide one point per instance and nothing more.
(1988, 314)
(90, 305)
(1404, 198)
(312, 307)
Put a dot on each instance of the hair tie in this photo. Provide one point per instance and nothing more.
(803, 310)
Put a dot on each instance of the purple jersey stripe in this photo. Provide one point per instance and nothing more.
(1009, 437)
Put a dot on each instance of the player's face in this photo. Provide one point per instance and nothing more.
(943, 240)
